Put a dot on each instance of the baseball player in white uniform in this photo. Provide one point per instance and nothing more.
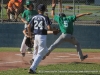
(26, 17)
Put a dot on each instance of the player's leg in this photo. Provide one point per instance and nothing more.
(23, 47)
(34, 51)
(42, 50)
(55, 44)
(73, 40)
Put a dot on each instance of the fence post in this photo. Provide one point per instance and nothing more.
(74, 7)
(1, 11)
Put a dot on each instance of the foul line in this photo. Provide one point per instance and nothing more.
(40, 71)
(10, 62)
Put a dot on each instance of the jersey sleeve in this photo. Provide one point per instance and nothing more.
(23, 15)
(31, 21)
(56, 18)
(48, 21)
(72, 18)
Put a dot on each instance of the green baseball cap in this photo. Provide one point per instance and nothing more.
(28, 2)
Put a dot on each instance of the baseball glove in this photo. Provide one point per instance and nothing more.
(29, 42)
(55, 30)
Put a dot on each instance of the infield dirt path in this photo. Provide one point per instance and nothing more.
(10, 60)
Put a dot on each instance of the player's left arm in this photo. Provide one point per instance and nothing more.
(80, 15)
(29, 30)
(25, 32)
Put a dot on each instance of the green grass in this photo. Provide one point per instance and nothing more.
(74, 68)
(13, 49)
(9, 49)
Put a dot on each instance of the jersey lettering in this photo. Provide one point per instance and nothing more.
(65, 24)
(38, 24)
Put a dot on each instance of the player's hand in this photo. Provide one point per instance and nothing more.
(28, 36)
(26, 22)
(54, 5)
(88, 13)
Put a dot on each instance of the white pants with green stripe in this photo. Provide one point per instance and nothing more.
(67, 38)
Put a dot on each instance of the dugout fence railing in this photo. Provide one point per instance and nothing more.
(69, 7)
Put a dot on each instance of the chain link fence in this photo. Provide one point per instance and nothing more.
(69, 7)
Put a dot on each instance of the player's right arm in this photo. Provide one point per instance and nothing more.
(53, 8)
(56, 17)
(30, 24)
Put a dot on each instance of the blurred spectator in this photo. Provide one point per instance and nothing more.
(14, 7)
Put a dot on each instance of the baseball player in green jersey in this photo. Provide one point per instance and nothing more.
(26, 17)
(66, 27)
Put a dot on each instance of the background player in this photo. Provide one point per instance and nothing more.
(41, 24)
(66, 27)
(26, 17)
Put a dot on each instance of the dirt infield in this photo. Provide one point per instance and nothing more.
(10, 60)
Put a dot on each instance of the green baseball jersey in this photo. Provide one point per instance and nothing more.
(65, 23)
(28, 14)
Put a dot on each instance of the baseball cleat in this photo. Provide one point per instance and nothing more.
(84, 57)
(31, 71)
(48, 53)
(43, 57)
(23, 54)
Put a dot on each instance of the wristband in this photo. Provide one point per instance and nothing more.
(53, 8)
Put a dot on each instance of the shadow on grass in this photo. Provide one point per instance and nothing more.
(75, 63)
(81, 63)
